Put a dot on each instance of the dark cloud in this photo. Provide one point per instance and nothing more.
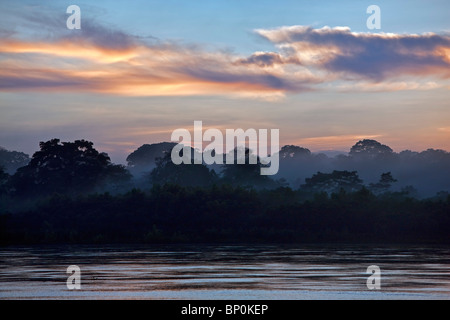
(373, 56)
(52, 81)
(103, 37)
(52, 27)
(263, 59)
(262, 80)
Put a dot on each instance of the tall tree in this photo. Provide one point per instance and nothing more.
(370, 148)
(385, 183)
(3, 180)
(66, 167)
(144, 158)
(293, 152)
(246, 174)
(166, 172)
(333, 182)
(12, 160)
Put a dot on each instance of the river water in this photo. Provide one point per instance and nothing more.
(226, 272)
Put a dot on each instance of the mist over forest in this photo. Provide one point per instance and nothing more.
(71, 192)
(421, 174)
(78, 168)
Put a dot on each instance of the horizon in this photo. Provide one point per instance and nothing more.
(331, 153)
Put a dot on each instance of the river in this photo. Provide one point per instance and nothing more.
(235, 272)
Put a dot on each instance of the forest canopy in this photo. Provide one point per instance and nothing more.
(71, 192)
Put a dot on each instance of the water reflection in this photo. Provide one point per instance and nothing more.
(225, 272)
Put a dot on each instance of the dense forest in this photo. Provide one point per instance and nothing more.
(68, 192)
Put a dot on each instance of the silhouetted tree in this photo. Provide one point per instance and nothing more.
(3, 180)
(386, 180)
(293, 152)
(166, 172)
(382, 186)
(410, 191)
(434, 156)
(246, 174)
(66, 167)
(144, 158)
(333, 182)
(12, 160)
(370, 148)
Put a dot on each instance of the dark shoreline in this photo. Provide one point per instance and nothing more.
(177, 215)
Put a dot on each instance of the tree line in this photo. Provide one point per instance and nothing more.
(224, 214)
(70, 192)
(78, 168)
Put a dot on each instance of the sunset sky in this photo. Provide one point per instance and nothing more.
(137, 70)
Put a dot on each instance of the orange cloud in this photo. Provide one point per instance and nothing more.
(66, 48)
(111, 62)
(137, 70)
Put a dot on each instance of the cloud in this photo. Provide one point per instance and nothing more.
(387, 86)
(262, 59)
(131, 66)
(102, 37)
(371, 56)
(105, 60)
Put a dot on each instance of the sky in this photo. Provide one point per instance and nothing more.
(138, 70)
